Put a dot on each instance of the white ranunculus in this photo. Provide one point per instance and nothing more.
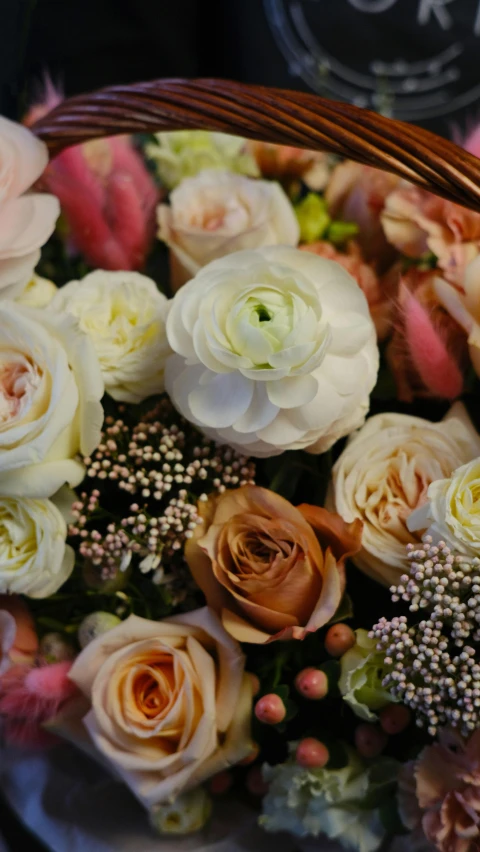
(384, 474)
(452, 513)
(37, 293)
(26, 220)
(34, 557)
(124, 315)
(50, 409)
(216, 213)
(274, 350)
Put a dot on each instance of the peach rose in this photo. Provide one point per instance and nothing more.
(18, 638)
(271, 571)
(379, 299)
(416, 222)
(439, 793)
(170, 702)
(357, 193)
(285, 162)
(463, 305)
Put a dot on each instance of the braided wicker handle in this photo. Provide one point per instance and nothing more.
(270, 115)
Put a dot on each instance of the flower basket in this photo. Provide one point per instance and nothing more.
(67, 800)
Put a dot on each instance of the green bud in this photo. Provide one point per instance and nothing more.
(312, 217)
(95, 625)
(340, 232)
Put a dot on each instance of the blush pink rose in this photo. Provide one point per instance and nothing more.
(416, 222)
(439, 793)
(357, 193)
(380, 301)
(27, 219)
(270, 570)
(286, 163)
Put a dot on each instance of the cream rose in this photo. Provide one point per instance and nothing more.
(275, 350)
(34, 557)
(124, 315)
(26, 220)
(384, 474)
(452, 513)
(216, 213)
(170, 702)
(50, 409)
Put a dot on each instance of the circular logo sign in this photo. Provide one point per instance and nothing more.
(414, 59)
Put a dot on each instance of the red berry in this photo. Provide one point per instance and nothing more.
(255, 683)
(270, 709)
(311, 753)
(250, 758)
(395, 718)
(312, 683)
(255, 783)
(220, 783)
(339, 639)
(370, 740)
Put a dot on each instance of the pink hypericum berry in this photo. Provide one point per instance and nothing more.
(220, 783)
(255, 783)
(312, 754)
(370, 740)
(395, 718)
(312, 683)
(339, 639)
(270, 709)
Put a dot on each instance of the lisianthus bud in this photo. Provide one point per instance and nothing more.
(270, 709)
(370, 740)
(313, 217)
(54, 648)
(311, 753)
(94, 625)
(312, 683)
(339, 639)
(361, 680)
(188, 813)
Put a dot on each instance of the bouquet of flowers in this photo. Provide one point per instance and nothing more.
(239, 493)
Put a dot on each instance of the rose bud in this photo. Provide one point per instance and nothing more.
(370, 740)
(312, 754)
(55, 649)
(270, 709)
(312, 683)
(339, 639)
(395, 718)
(94, 625)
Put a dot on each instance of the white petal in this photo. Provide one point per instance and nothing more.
(222, 400)
(350, 332)
(292, 391)
(260, 412)
(281, 432)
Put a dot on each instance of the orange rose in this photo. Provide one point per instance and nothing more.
(271, 571)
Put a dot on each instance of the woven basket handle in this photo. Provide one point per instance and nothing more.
(269, 115)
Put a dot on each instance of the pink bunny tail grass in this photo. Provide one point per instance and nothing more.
(31, 696)
(436, 367)
(47, 97)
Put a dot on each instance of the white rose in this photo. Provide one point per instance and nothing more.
(452, 513)
(26, 221)
(34, 557)
(124, 315)
(37, 293)
(383, 475)
(216, 213)
(50, 409)
(275, 350)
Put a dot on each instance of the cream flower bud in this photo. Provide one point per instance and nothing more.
(96, 624)
(123, 313)
(34, 558)
(275, 350)
(187, 814)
